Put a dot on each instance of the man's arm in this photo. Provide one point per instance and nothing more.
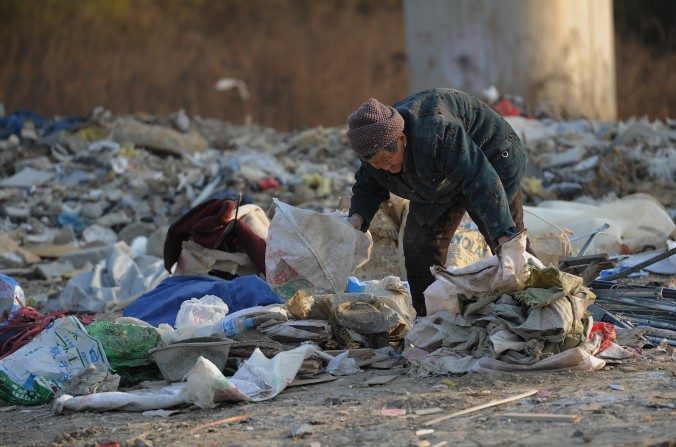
(367, 195)
(463, 162)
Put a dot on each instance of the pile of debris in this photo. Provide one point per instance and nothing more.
(147, 248)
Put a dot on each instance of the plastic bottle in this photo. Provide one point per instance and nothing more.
(232, 327)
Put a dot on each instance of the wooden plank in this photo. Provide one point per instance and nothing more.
(322, 379)
(492, 403)
(572, 261)
(424, 431)
(385, 364)
(380, 380)
(353, 353)
(541, 417)
(372, 360)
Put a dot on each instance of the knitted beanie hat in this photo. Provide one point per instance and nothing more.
(372, 127)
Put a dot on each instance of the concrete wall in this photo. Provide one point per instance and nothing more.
(558, 51)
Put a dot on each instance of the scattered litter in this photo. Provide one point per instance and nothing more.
(216, 423)
(492, 403)
(616, 387)
(541, 417)
(392, 412)
(161, 413)
(428, 411)
(300, 431)
(424, 431)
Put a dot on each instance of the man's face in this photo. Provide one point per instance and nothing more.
(390, 161)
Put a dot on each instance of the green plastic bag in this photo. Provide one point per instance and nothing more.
(125, 345)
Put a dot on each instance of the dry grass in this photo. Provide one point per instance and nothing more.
(306, 62)
(646, 80)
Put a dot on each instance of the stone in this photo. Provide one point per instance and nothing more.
(50, 270)
(16, 212)
(26, 178)
(158, 138)
(79, 258)
(93, 210)
(38, 163)
(113, 219)
(10, 259)
(155, 244)
(134, 230)
(300, 430)
(98, 233)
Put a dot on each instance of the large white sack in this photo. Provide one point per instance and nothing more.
(307, 249)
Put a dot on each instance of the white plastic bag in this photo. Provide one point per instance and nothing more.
(209, 309)
(11, 296)
(258, 379)
(307, 249)
(636, 221)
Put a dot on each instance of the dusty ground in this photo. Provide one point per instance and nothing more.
(346, 413)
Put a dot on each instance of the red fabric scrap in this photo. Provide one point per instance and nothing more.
(268, 183)
(505, 107)
(607, 331)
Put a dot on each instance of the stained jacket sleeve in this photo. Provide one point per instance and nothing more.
(367, 195)
(462, 162)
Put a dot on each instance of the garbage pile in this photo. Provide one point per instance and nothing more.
(506, 314)
(570, 159)
(204, 262)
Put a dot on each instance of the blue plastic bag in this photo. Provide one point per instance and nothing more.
(161, 305)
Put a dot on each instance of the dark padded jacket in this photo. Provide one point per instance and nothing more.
(457, 146)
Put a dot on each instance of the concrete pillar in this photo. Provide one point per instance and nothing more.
(558, 51)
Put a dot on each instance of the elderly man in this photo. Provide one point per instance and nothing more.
(448, 153)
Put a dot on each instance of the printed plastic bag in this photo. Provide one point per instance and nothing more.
(467, 245)
(30, 375)
(307, 249)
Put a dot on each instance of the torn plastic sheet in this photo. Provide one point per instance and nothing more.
(342, 365)
(258, 379)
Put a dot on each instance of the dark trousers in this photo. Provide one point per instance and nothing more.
(427, 245)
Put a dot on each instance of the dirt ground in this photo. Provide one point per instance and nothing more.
(638, 409)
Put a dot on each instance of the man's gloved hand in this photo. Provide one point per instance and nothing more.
(356, 221)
